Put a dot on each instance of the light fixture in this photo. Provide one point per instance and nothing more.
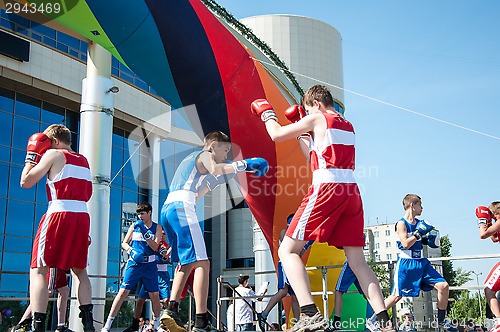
(114, 89)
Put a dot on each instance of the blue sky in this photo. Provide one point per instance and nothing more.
(438, 58)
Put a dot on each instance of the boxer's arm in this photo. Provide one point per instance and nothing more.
(155, 244)
(128, 238)
(208, 162)
(33, 173)
(406, 241)
(280, 133)
(486, 232)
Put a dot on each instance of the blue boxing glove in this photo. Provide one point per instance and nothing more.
(148, 235)
(259, 166)
(136, 256)
(422, 229)
(433, 239)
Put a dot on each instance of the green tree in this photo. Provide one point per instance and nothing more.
(466, 306)
(125, 314)
(454, 277)
(17, 310)
(382, 273)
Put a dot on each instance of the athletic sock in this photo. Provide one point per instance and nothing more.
(39, 321)
(441, 315)
(336, 321)
(309, 309)
(109, 322)
(201, 320)
(383, 318)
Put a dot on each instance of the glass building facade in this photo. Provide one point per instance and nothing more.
(21, 209)
(24, 111)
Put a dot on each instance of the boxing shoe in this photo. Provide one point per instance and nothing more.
(262, 322)
(310, 324)
(372, 324)
(170, 320)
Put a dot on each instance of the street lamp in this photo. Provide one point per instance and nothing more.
(478, 295)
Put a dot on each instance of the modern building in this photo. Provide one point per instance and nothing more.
(41, 71)
(312, 49)
(381, 247)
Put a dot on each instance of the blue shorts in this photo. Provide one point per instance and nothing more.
(184, 232)
(413, 275)
(282, 279)
(145, 272)
(346, 279)
(163, 284)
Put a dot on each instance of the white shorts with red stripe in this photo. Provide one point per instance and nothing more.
(330, 212)
(493, 279)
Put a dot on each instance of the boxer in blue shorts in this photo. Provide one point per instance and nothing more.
(141, 242)
(345, 280)
(413, 272)
(198, 173)
(162, 262)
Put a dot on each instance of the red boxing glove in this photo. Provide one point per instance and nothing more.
(262, 108)
(163, 251)
(38, 144)
(294, 113)
(483, 215)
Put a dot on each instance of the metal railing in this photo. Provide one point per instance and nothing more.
(326, 293)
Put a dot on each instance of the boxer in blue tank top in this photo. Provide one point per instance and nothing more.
(198, 173)
(413, 272)
(141, 242)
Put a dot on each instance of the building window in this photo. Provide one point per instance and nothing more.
(240, 263)
(375, 234)
(387, 232)
(377, 245)
(377, 257)
(388, 244)
(389, 257)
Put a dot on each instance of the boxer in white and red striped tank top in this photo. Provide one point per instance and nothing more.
(332, 210)
(62, 239)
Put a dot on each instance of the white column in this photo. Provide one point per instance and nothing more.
(264, 263)
(96, 123)
(155, 175)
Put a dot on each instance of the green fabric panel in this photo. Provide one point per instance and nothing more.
(79, 18)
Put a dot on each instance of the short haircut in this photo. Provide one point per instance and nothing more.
(410, 198)
(59, 131)
(144, 207)
(289, 218)
(320, 93)
(242, 278)
(217, 136)
(494, 207)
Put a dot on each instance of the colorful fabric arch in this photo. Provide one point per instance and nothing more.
(191, 58)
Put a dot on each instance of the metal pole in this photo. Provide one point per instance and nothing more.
(479, 296)
(96, 123)
(219, 304)
(324, 281)
(190, 311)
(391, 281)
